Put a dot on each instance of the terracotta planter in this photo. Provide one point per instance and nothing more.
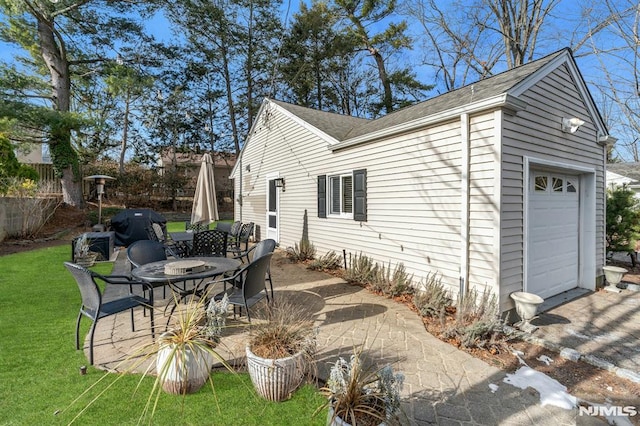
(183, 370)
(276, 379)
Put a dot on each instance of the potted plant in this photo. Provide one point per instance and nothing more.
(280, 350)
(360, 396)
(186, 351)
(184, 356)
(81, 252)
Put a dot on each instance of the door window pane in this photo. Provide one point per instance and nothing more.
(272, 196)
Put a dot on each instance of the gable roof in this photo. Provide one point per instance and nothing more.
(501, 90)
(335, 125)
(628, 170)
(470, 94)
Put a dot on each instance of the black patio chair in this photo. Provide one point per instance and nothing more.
(142, 252)
(260, 249)
(195, 227)
(247, 286)
(94, 307)
(210, 243)
(240, 246)
(156, 233)
(234, 231)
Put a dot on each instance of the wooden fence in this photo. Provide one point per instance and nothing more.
(48, 177)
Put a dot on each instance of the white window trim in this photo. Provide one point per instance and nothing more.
(340, 215)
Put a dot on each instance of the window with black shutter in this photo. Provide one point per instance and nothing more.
(360, 195)
(322, 196)
(343, 195)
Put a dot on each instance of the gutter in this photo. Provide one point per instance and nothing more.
(504, 100)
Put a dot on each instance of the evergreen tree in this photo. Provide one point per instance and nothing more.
(362, 15)
(623, 220)
(62, 40)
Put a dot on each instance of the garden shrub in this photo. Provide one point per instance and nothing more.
(432, 298)
(361, 269)
(477, 323)
(623, 220)
(392, 284)
(304, 251)
(327, 262)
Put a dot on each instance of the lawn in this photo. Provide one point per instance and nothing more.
(39, 366)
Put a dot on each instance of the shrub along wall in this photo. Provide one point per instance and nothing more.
(23, 216)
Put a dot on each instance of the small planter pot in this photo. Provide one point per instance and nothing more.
(333, 420)
(613, 275)
(276, 379)
(183, 370)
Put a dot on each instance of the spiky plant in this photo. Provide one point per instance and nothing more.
(301, 252)
(432, 298)
(361, 270)
(327, 262)
(286, 330)
(361, 395)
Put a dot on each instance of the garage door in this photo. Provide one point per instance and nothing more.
(553, 238)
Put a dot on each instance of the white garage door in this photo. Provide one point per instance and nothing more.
(553, 238)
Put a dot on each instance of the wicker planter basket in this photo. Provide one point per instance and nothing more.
(87, 260)
(183, 370)
(276, 379)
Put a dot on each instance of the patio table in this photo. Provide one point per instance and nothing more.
(154, 272)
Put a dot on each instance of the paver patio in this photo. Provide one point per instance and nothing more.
(443, 385)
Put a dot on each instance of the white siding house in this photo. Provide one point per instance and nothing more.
(624, 174)
(481, 185)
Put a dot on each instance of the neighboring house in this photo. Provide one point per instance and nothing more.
(38, 156)
(495, 186)
(34, 153)
(188, 163)
(624, 174)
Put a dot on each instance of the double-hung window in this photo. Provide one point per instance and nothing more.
(343, 195)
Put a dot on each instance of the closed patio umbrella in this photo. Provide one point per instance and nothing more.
(205, 206)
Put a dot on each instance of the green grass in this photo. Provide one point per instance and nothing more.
(39, 366)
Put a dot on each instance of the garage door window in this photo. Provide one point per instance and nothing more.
(555, 184)
(541, 184)
(558, 184)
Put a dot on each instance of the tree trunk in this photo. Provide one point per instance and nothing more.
(71, 188)
(232, 106)
(65, 158)
(382, 74)
(125, 131)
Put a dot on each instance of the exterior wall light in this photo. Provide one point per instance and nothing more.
(279, 183)
(570, 125)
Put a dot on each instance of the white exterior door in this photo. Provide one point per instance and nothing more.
(552, 239)
(273, 206)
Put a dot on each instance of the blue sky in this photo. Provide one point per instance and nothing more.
(566, 16)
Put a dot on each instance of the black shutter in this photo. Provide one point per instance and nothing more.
(360, 195)
(322, 196)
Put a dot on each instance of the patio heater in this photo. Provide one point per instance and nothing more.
(99, 180)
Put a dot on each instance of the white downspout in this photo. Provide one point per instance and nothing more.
(240, 191)
(464, 203)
